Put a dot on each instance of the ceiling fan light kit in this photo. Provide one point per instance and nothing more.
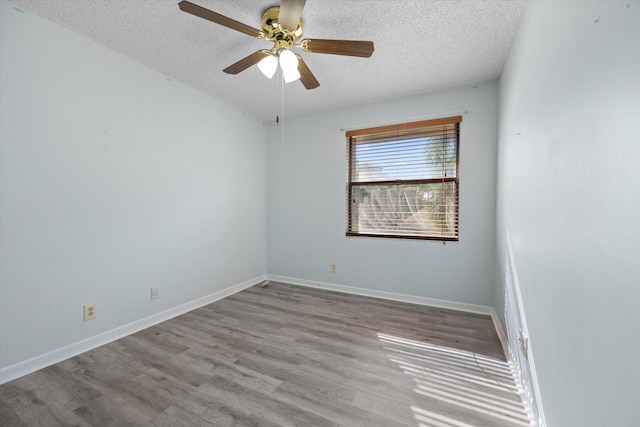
(282, 25)
(289, 65)
(268, 66)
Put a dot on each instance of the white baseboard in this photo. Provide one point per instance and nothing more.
(524, 367)
(42, 361)
(432, 302)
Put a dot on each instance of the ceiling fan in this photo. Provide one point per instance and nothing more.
(282, 25)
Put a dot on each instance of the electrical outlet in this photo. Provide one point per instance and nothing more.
(333, 267)
(90, 312)
(155, 293)
(524, 344)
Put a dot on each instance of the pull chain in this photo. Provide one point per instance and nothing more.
(280, 78)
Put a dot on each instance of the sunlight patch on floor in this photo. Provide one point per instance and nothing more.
(463, 388)
(436, 420)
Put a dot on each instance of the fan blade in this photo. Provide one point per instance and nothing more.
(290, 13)
(209, 15)
(306, 76)
(363, 49)
(247, 62)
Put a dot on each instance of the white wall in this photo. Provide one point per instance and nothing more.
(307, 202)
(568, 193)
(114, 179)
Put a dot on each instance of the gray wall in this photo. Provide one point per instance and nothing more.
(306, 203)
(113, 180)
(568, 193)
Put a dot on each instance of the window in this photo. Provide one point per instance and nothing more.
(402, 180)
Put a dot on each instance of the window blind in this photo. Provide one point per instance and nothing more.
(403, 180)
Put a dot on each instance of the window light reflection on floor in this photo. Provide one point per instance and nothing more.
(452, 375)
(407, 357)
(434, 419)
(459, 388)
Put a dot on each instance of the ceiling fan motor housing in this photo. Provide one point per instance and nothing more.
(273, 31)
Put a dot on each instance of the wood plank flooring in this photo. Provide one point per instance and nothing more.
(282, 355)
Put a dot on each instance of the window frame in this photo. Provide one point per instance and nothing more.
(404, 132)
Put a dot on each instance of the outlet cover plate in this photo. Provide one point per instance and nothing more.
(90, 312)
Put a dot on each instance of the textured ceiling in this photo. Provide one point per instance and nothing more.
(420, 46)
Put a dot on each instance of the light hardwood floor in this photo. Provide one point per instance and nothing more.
(282, 355)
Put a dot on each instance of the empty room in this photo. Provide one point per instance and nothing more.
(319, 213)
